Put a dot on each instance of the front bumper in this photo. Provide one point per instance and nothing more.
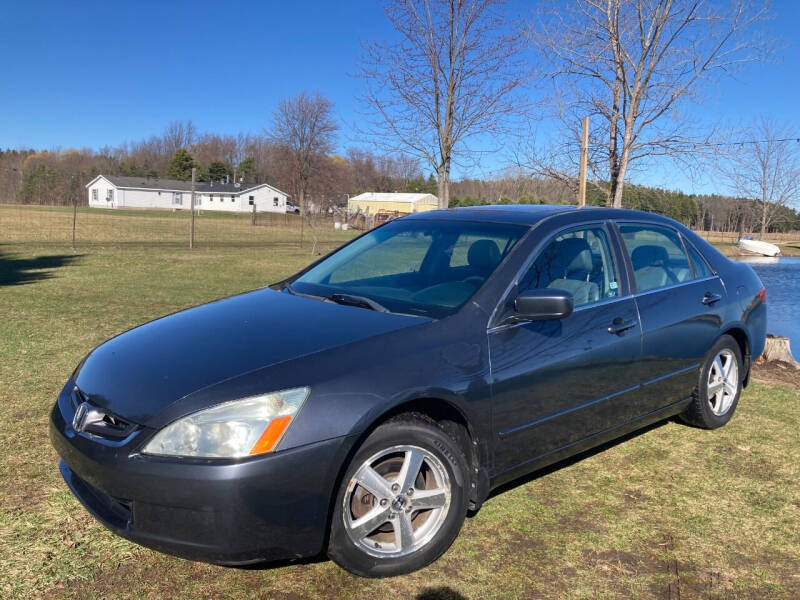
(266, 508)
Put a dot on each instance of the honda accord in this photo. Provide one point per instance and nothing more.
(361, 407)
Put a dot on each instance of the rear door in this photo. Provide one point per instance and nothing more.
(680, 302)
(557, 382)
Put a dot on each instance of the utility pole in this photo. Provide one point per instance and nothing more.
(191, 211)
(584, 159)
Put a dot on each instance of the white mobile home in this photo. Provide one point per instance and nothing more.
(112, 191)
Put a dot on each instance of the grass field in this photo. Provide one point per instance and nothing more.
(673, 512)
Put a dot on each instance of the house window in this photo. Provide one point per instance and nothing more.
(252, 200)
(274, 202)
(109, 195)
(211, 198)
(177, 198)
(94, 195)
(232, 200)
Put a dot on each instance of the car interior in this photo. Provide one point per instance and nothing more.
(424, 271)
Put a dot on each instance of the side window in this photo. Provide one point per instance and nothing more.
(699, 266)
(578, 261)
(657, 256)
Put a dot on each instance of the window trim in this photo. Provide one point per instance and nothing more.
(495, 321)
(634, 290)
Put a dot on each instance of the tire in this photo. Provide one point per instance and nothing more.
(719, 386)
(378, 528)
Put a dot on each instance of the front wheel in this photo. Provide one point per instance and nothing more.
(719, 387)
(402, 500)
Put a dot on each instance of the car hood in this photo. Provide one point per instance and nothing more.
(140, 372)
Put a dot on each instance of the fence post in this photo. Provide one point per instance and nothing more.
(191, 211)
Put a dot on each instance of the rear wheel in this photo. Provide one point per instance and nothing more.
(719, 387)
(402, 500)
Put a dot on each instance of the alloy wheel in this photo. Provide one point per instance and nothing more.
(723, 382)
(396, 501)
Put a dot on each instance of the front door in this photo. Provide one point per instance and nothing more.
(557, 382)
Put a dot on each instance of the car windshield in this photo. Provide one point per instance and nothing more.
(412, 266)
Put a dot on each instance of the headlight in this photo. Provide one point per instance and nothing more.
(232, 429)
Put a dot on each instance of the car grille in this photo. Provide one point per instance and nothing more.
(107, 424)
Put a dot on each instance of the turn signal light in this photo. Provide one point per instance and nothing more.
(271, 436)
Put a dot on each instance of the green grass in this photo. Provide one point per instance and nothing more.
(673, 512)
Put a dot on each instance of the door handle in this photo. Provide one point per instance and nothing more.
(619, 325)
(710, 298)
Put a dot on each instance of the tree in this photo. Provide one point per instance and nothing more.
(178, 134)
(247, 169)
(449, 79)
(304, 128)
(218, 171)
(767, 170)
(629, 65)
(180, 165)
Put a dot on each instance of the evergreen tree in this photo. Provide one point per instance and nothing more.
(218, 170)
(180, 165)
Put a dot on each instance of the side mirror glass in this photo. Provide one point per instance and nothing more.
(543, 305)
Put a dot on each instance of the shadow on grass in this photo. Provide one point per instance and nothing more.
(572, 460)
(18, 271)
(440, 593)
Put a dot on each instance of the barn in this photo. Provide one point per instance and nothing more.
(113, 191)
(375, 202)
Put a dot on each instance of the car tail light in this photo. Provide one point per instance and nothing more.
(763, 294)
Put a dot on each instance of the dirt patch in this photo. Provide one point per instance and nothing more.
(776, 373)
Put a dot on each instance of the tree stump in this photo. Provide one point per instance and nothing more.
(778, 349)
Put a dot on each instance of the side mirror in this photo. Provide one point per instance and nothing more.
(543, 305)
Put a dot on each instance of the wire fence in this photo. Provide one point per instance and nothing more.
(56, 225)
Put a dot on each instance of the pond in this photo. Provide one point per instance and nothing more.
(781, 277)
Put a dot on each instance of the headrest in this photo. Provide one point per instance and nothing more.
(571, 255)
(483, 255)
(649, 256)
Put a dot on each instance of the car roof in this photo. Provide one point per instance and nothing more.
(530, 214)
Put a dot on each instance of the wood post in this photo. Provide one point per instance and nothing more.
(584, 160)
(254, 212)
(191, 210)
(74, 210)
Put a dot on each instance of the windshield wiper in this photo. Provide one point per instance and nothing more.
(352, 300)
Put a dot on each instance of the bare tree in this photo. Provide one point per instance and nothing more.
(178, 134)
(450, 78)
(305, 128)
(630, 65)
(767, 170)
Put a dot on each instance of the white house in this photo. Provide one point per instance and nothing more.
(113, 191)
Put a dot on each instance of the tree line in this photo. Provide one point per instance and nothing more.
(462, 79)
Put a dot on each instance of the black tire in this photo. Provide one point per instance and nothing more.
(700, 412)
(405, 430)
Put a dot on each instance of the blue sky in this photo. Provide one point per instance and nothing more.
(91, 74)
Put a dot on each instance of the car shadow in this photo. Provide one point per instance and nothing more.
(19, 271)
(570, 461)
(440, 593)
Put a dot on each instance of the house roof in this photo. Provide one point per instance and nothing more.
(175, 185)
(392, 197)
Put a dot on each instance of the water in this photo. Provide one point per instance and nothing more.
(781, 277)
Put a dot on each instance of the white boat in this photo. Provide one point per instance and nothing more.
(759, 247)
